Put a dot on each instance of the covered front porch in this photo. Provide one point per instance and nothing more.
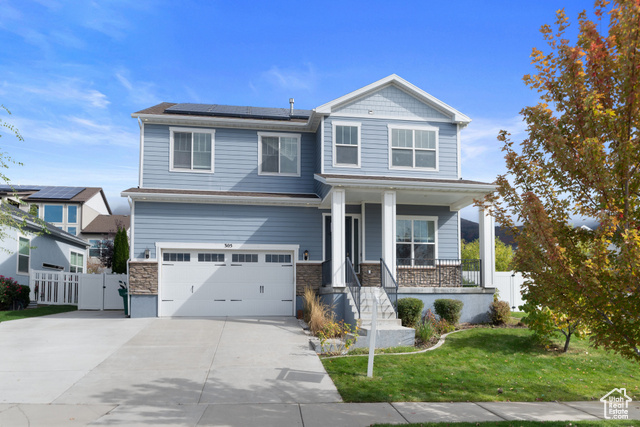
(402, 232)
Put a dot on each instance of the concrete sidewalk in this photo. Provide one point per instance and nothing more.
(300, 414)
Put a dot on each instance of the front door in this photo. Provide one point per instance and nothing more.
(352, 239)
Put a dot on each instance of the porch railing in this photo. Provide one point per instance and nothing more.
(389, 285)
(438, 272)
(353, 284)
(55, 288)
(326, 273)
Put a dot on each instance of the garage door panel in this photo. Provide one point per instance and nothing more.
(200, 287)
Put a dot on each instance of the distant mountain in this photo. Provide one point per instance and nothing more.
(470, 231)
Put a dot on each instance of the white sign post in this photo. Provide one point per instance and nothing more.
(372, 338)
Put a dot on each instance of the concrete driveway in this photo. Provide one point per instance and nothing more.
(101, 358)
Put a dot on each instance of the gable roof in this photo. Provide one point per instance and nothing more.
(107, 224)
(405, 86)
(52, 193)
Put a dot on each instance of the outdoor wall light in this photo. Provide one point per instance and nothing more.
(306, 255)
(146, 254)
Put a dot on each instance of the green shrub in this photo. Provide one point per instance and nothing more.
(409, 311)
(499, 312)
(449, 309)
(13, 295)
(425, 329)
(443, 327)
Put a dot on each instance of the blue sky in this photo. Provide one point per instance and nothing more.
(73, 72)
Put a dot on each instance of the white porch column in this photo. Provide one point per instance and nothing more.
(389, 230)
(338, 254)
(487, 246)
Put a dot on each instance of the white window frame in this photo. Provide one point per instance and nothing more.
(297, 136)
(435, 129)
(84, 261)
(65, 224)
(22, 273)
(358, 146)
(172, 130)
(412, 243)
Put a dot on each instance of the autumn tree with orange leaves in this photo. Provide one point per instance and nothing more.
(581, 159)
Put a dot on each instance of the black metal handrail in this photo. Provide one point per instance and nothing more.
(439, 272)
(389, 285)
(352, 282)
(326, 273)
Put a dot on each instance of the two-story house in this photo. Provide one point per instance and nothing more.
(239, 208)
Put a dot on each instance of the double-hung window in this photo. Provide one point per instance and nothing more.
(192, 150)
(416, 240)
(279, 154)
(76, 262)
(346, 144)
(24, 254)
(413, 148)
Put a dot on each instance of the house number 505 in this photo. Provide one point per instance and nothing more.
(228, 245)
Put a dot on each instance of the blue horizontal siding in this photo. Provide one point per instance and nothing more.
(448, 239)
(208, 223)
(375, 149)
(235, 164)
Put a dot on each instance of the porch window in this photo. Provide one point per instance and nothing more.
(413, 148)
(192, 150)
(416, 240)
(279, 154)
(346, 140)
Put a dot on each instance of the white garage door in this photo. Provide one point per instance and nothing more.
(226, 283)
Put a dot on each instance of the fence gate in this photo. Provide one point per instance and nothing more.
(87, 291)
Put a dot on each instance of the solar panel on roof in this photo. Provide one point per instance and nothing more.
(238, 111)
(63, 193)
(6, 188)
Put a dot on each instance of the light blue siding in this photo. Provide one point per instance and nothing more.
(207, 223)
(392, 102)
(448, 239)
(375, 149)
(235, 164)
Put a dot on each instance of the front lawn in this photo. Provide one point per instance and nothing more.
(485, 364)
(35, 312)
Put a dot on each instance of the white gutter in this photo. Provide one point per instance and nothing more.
(210, 198)
(227, 122)
(384, 183)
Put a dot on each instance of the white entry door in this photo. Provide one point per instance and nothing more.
(226, 283)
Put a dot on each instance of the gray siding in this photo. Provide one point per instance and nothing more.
(448, 239)
(206, 223)
(318, 159)
(45, 249)
(235, 164)
(392, 102)
(375, 149)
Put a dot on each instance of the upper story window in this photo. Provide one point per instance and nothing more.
(346, 144)
(65, 217)
(413, 148)
(192, 150)
(279, 154)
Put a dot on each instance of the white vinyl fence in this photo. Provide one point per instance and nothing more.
(509, 285)
(87, 291)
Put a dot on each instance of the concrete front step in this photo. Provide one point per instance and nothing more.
(383, 323)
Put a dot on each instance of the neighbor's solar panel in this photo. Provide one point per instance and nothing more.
(237, 111)
(64, 193)
(6, 188)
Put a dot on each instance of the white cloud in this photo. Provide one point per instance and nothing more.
(63, 89)
(140, 93)
(291, 78)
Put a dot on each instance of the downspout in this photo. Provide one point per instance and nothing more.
(130, 253)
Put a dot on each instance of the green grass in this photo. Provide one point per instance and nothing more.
(473, 364)
(35, 312)
(603, 423)
(518, 314)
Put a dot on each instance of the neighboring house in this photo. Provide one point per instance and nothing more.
(32, 248)
(238, 208)
(81, 211)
